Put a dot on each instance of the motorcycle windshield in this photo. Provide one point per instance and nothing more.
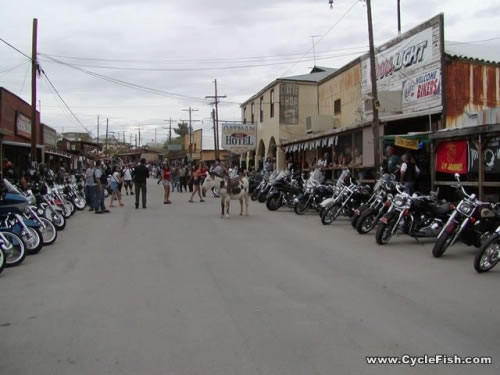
(11, 188)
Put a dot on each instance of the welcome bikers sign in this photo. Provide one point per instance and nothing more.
(239, 138)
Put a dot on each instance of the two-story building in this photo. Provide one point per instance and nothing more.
(280, 110)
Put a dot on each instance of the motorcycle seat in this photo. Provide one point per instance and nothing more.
(441, 209)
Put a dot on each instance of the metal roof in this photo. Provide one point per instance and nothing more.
(316, 75)
(486, 51)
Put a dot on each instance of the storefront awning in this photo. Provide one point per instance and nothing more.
(58, 153)
(466, 131)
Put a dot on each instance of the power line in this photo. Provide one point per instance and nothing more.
(229, 67)
(13, 68)
(64, 102)
(15, 49)
(322, 37)
(128, 84)
(215, 60)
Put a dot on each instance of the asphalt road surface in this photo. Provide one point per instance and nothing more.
(174, 289)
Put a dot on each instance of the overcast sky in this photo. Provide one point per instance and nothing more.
(180, 47)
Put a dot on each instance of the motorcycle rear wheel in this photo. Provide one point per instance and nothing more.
(488, 255)
(56, 218)
(79, 203)
(255, 194)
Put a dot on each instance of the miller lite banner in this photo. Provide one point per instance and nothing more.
(409, 65)
(239, 138)
(451, 157)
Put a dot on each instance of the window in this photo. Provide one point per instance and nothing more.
(337, 107)
(272, 103)
(261, 109)
(245, 115)
(252, 113)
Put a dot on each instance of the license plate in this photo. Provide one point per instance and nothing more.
(383, 220)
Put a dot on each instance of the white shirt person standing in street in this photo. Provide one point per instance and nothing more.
(127, 179)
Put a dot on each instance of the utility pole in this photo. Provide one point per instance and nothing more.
(136, 141)
(107, 122)
(190, 110)
(155, 137)
(169, 130)
(216, 102)
(215, 133)
(399, 17)
(139, 137)
(373, 76)
(314, 50)
(373, 73)
(97, 131)
(34, 69)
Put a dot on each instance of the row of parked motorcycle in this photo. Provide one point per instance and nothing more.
(389, 210)
(31, 217)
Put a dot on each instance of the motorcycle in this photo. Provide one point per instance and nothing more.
(472, 221)
(489, 254)
(369, 214)
(416, 215)
(314, 193)
(350, 198)
(284, 190)
(12, 207)
(46, 205)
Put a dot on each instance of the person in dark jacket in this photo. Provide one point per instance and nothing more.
(141, 174)
(409, 172)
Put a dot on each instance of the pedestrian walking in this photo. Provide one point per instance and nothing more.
(127, 179)
(90, 186)
(116, 180)
(141, 174)
(175, 179)
(183, 173)
(101, 183)
(165, 180)
(195, 181)
(203, 175)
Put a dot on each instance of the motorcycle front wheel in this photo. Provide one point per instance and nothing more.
(79, 203)
(3, 260)
(330, 215)
(13, 249)
(442, 243)
(301, 207)
(32, 239)
(366, 222)
(49, 233)
(384, 232)
(274, 202)
(488, 255)
(56, 218)
(255, 194)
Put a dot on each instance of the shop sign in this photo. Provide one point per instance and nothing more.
(239, 138)
(422, 87)
(23, 125)
(411, 144)
(451, 157)
(49, 136)
(289, 104)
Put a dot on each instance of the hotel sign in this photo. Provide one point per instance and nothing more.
(239, 138)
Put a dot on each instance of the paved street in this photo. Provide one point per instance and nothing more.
(174, 289)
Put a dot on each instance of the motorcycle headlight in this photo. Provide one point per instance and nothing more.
(465, 208)
(398, 201)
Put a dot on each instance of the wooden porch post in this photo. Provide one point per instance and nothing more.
(481, 168)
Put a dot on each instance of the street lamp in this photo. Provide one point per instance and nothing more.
(373, 76)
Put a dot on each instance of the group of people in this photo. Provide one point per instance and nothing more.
(96, 182)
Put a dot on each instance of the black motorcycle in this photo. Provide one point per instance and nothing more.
(472, 221)
(350, 198)
(284, 190)
(313, 194)
(489, 253)
(416, 215)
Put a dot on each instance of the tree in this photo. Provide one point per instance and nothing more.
(182, 129)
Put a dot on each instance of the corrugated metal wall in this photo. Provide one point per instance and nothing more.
(472, 94)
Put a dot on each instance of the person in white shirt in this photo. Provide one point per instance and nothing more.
(127, 179)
